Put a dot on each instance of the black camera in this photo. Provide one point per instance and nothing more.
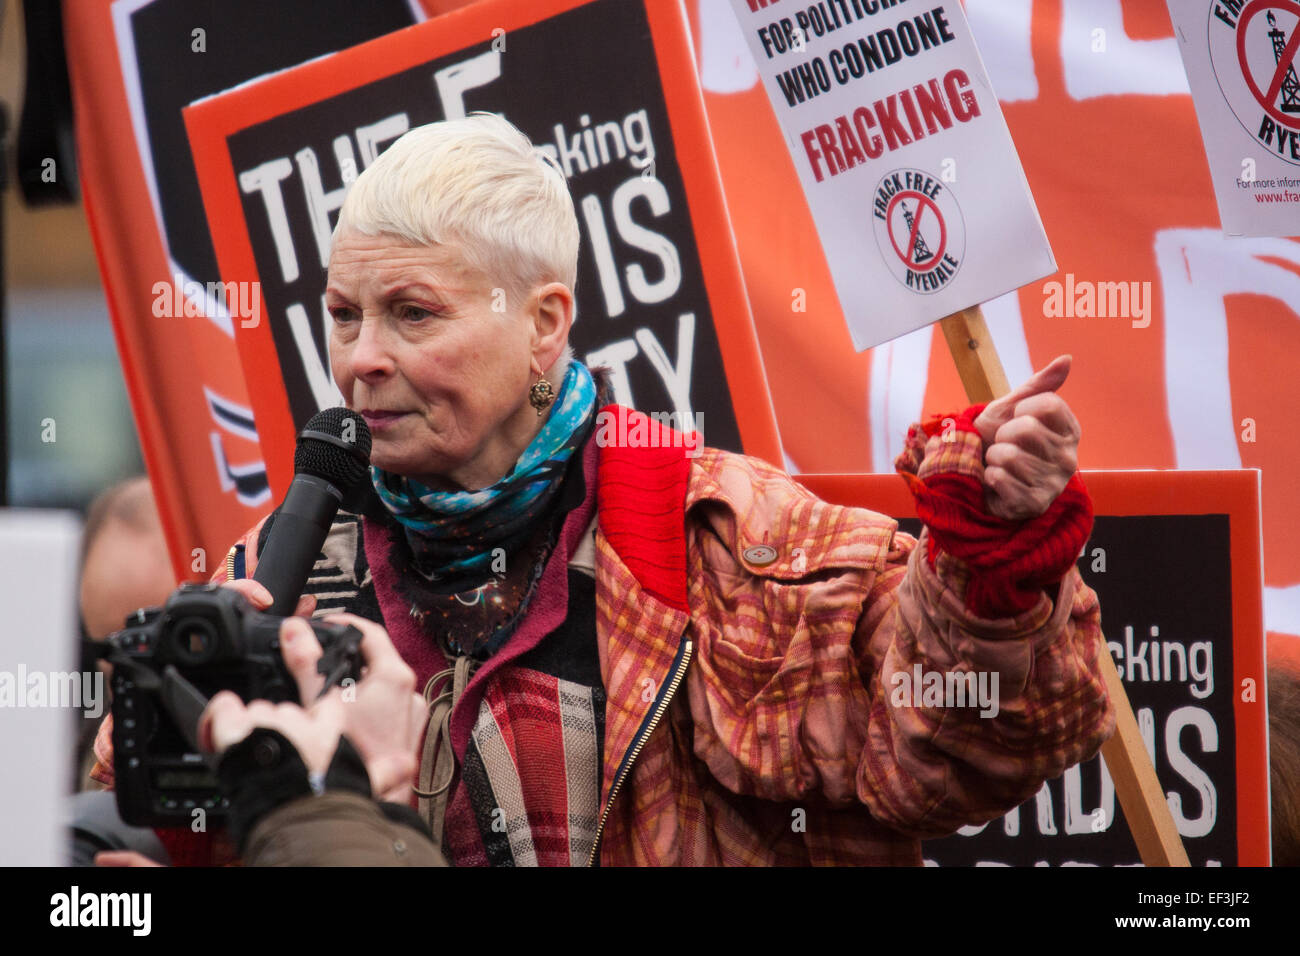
(167, 661)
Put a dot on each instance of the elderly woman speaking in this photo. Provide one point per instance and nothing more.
(639, 652)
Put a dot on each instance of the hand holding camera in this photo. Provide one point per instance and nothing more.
(381, 716)
(169, 661)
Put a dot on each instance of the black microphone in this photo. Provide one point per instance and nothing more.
(332, 459)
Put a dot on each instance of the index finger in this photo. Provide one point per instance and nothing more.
(256, 592)
(123, 858)
(1003, 408)
(301, 652)
(224, 722)
(1049, 378)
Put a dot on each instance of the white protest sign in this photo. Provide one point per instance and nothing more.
(40, 693)
(904, 156)
(1240, 57)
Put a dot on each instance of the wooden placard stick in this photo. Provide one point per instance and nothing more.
(1126, 757)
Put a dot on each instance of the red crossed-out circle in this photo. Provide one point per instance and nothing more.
(923, 202)
(1267, 98)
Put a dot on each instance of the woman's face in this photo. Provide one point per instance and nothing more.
(441, 379)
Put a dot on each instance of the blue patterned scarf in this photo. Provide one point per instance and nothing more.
(454, 533)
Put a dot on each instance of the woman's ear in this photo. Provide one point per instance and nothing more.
(552, 318)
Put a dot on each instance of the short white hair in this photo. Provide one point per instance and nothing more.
(477, 183)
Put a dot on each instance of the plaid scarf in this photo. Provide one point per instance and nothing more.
(456, 532)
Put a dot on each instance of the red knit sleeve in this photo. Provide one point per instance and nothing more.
(1010, 562)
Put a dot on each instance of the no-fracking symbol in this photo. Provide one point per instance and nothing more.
(919, 229)
(1254, 63)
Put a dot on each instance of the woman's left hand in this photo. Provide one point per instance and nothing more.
(1031, 443)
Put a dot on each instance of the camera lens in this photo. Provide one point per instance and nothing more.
(193, 640)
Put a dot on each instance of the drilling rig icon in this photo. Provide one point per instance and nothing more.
(1290, 83)
(920, 251)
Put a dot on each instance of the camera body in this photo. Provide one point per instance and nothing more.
(216, 641)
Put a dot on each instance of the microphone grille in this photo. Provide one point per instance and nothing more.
(339, 449)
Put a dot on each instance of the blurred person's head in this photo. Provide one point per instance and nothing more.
(124, 566)
(124, 562)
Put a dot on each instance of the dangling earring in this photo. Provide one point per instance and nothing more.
(541, 395)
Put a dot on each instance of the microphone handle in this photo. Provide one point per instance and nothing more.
(300, 528)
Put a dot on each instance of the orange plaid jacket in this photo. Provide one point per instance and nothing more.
(749, 717)
(770, 737)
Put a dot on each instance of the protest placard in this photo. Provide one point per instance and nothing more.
(905, 160)
(1240, 59)
(41, 695)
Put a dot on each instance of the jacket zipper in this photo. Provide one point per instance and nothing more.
(678, 672)
(230, 564)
